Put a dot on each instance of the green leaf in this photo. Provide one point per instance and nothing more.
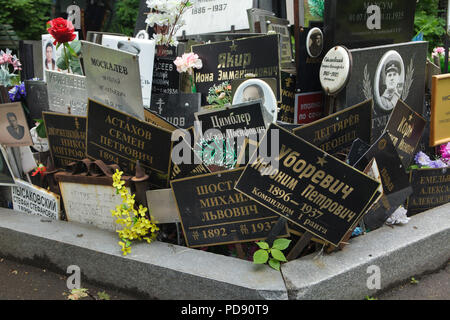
(61, 63)
(281, 244)
(102, 295)
(40, 129)
(76, 46)
(263, 245)
(277, 254)
(275, 264)
(260, 257)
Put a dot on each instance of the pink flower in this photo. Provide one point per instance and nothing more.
(439, 50)
(187, 62)
(445, 151)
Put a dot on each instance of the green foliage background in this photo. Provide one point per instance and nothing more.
(27, 17)
(428, 21)
(124, 18)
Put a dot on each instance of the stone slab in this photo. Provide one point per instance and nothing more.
(400, 252)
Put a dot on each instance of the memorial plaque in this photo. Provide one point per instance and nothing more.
(213, 213)
(336, 132)
(215, 16)
(111, 77)
(6, 174)
(431, 188)
(307, 186)
(66, 136)
(115, 137)
(67, 93)
(360, 23)
(145, 50)
(242, 120)
(30, 199)
(91, 204)
(270, 23)
(310, 41)
(14, 131)
(308, 107)
(166, 79)
(335, 70)
(396, 187)
(50, 54)
(440, 110)
(37, 97)
(387, 74)
(286, 107)
(405, 127)
(178, 109)
(229, 60)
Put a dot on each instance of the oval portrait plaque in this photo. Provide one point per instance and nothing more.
(335, 70)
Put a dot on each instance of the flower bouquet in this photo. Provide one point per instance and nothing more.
(220, 95)
(438, 56)
(422, 160)
(8, 61)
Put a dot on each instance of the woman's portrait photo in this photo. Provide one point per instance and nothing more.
(389, 80)
(50, 63)
(256, 89)
(314, 42)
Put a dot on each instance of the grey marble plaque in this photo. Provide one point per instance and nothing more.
(113, 78)
(66, 93)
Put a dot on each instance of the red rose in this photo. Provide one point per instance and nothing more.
(62, 30)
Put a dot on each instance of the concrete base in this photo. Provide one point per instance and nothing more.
(165, 271)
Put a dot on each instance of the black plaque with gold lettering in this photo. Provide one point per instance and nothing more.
(116, 137)
(336, 132)
(431, 188)
(230, 60)
(307, 186)
(405, 127)
(287, 105)
(213, 213)
(66, 137)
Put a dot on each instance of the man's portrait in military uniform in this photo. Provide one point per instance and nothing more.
(390, 82)
(314, 42)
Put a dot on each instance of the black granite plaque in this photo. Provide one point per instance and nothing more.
(396, 187)
(213, 213)
(116, 137)
(405, 127)
(361, 23)
(307, 186)
(431, 188)
(229, 60)
(166, 78)
(287, 105)
(309, 66)
(387, 74)
(336, 132)
(37, 97)
(178, 109)
(66, 137)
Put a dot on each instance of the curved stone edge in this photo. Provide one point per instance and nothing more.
(158, 270)
(421, 246)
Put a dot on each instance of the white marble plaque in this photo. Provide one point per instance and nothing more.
(31, 199)
(113, 78)
(66, 91)
(216, 16)
(91, 204)
(335, 70)
(145, 49)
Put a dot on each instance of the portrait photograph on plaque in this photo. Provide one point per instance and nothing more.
(14, 131)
